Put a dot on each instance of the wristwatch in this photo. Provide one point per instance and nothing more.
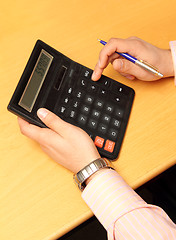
(89, 170)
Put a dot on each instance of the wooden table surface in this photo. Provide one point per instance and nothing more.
(38, 198)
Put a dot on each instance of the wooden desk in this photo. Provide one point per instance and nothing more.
(38, 199)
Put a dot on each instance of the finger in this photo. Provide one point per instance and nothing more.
(112, 46)
(29, 130)
(21, 121)
(25, 127)
(97, 73)
(54, 122)
(108, 53)
(130, 77)
(98, 70)
(128, 68)
(40, 135)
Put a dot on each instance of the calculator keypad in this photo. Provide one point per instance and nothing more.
(98, 109)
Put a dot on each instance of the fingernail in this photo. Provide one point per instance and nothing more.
(93, 75)
(130, 77)
(42, 113)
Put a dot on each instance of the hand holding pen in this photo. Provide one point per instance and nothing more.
(134, 58)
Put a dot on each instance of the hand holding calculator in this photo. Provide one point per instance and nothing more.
(53, 81)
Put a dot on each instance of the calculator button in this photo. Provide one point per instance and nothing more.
(109, 146)
(89, 99)
(71, 73)
(66, 100)
(82, 83)
(82, 119)
(85, 109)
(102, 92)
(102, 128)
(72, 114)
(123, 90)
(69, 90)
(104, 82)
(76, 104)
(79, 94)
(92, 88)
(95, 113)
(87, 73)
(106, 118)
(109, 108)
(115, 123)
(119, 89)
(62, 110)
(115, 98)
(99, 141)
(92, 124)
(112, 134)
(99, 103)
(119, 113)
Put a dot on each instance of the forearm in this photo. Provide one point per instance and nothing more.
(123, 212)
(173, 51)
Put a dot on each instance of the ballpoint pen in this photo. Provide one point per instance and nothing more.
(138, 62)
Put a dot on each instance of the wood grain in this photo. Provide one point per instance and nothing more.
(38, 199)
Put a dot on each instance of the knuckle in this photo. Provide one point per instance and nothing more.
(133, 38)
(111, 40)
(114, 41)
(137, 41)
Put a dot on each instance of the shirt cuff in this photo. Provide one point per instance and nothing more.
(173, 51)
(110, 197)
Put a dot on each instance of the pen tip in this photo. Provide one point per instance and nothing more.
(99, 40)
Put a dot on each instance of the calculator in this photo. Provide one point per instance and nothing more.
(53, 81)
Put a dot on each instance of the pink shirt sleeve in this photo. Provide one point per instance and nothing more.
(123, 213)
(173, 51)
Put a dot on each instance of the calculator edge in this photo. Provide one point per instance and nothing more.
(11, 106)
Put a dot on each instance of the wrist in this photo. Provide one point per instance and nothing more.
(100, 171)
(167, 64)
(85, 175)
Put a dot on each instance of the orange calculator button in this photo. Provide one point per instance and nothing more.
(109, 146)
(99, 141)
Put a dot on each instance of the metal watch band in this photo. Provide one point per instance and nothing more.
(89, 170)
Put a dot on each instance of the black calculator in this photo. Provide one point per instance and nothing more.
(53, 81)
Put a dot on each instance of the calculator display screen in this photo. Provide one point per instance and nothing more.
(35, 81)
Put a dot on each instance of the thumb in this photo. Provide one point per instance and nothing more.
(126, 68)
(52, 121)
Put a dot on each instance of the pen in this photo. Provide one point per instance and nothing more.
(140, 63)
